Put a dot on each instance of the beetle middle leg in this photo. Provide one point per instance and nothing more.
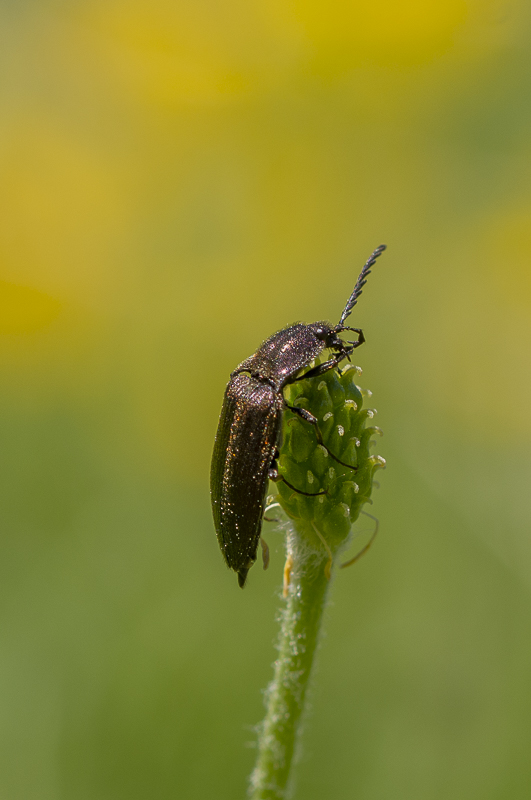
(308, 417)
(270, 504)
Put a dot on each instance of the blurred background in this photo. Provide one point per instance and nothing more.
(179, 180)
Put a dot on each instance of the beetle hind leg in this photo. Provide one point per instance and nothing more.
(265, 552)
(366, 547)
(275, 476)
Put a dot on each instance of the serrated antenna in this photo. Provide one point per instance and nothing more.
(360, 283)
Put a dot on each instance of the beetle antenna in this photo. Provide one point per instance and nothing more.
(360, 283)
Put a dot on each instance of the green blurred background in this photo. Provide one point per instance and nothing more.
(179, 180)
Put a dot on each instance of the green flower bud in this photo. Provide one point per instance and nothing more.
(336, 401)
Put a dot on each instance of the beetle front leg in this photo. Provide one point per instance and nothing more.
(361, 337)
(307, 417)
(321, 368)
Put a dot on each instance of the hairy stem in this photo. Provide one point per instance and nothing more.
(286, 695)
(327, 481)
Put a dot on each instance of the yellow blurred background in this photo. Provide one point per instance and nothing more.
(179, 180)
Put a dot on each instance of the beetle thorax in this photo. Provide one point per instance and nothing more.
(286, 352)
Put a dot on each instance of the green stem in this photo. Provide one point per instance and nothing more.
(328, 500)
(286, 695)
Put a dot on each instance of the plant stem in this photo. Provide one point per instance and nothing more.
(286, 695)
(328, 499)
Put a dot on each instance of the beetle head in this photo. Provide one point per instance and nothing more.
(328, 334)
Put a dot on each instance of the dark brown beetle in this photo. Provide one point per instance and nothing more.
(248, 436)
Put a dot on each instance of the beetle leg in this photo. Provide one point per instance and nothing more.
(320, 368)
(361, 337)
(364, 549)
(299, 491)
(275, 476)
(265, 553)
(268, 507)
(307, 417)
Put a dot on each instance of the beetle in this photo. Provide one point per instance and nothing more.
(248, 436)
